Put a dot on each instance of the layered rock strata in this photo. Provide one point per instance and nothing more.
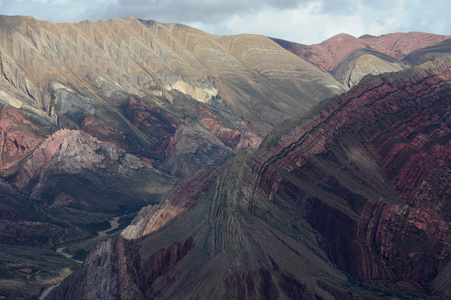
(68, 159)
(328, 54)
(358, 189)
(98, 119)
(104, 77)
(349, 59)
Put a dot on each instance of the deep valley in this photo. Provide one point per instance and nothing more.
(143, 160)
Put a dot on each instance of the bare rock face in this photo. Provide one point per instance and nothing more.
(69, 157)
(396, 179)
(190, 150)
(233, 138)
(19, 136)
(359, 188)
(364, 62)
(182, 195)
(102, 279)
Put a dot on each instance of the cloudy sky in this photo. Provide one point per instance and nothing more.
(302, 21)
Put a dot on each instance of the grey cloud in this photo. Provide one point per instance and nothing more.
(71, 11)
(216, 16)
(337, 7)
(348, 7)
(203, 11)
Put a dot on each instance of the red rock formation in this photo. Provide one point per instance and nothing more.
(18, 136)
(228, 136)
(164, 262)
(186, 192)
(152, 120)
(388, 136)
(85, 161)
(233, 138)
(331, 52)
(358, 188)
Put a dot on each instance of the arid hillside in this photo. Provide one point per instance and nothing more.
(243, 170)
(348, 202)
(349, 58)
(98, 119)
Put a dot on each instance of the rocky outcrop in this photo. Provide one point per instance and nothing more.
(358, 189)
(364, 62)
(238, 140)
(68, 159)
(182, 195)
(102, 279)
(19, 135)
(152, 120)
(189, 151)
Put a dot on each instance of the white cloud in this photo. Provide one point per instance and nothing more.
(305, 24)
(314, 21)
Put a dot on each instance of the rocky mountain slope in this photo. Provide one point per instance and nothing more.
(109, 77)
(98, 119)
(111, 111)
(348, 202)
(349, 59)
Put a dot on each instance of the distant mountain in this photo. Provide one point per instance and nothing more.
(349, 59)
(348, 202)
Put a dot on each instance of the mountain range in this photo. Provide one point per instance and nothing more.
(261, 168)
